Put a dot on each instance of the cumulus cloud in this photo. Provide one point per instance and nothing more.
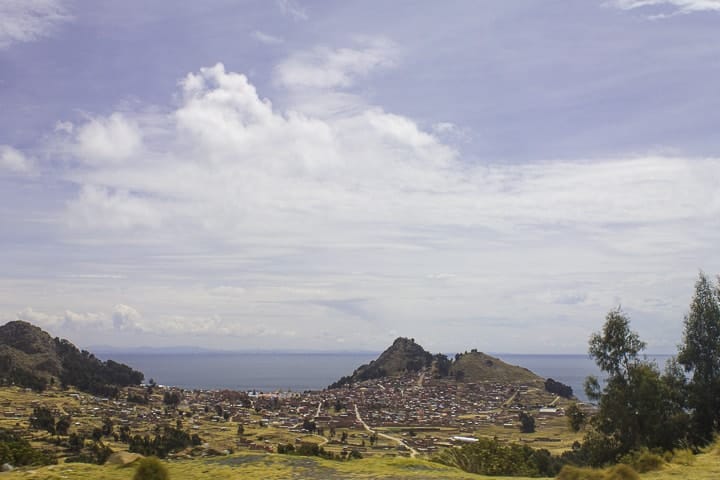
(270, 218)
(28, 20)
(68, 320)
(324, 67)
(13, 160)
(125, 317)
(111, 139)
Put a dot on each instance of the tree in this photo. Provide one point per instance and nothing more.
(107, 426)
(700, 355)
(576, 417)
(527, 423)
(616, 348)
(151, 468)
(172, 399)
(42, 418)
(63, 425)
(637, 407)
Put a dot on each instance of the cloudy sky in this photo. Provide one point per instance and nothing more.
(317, 175)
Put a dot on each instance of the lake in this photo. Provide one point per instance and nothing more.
(315, 371)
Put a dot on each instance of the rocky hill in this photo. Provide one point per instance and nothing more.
(30, 357)
(476, 366)
(404, 356)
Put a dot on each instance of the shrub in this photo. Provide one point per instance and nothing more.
(151, 468)
(621, 471)
(683, 457)
(643, 461)
(569, 472)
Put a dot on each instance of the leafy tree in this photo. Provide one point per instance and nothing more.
(76, 442)
(527, 423)
(637, 407)
(18, 451)
(558, 388)
(576, 417)
(43, 419)
(172, 399)
(700, 355)
(616, 348)
(107, 426)
(63, 425)
(491, 457)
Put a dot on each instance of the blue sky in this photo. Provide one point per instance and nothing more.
(329, 175)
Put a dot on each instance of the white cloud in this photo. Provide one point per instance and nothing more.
(114, 210)
(324, 67)
(125, 317)
(37, 318)
(68, 320)
(14, 160)
(292, 9)
(28, 20)
(250, 220)
(112, 139)
(680, 6)
(266, 38)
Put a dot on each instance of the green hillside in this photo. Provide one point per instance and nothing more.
(479, 367)
(30, 357)
(404, 356)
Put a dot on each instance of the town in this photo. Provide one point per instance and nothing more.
(408, 415)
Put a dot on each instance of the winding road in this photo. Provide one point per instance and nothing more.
(413, 453)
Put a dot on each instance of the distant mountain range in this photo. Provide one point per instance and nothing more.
(404, 356)
(30, 357)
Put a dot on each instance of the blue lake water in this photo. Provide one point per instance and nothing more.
(315, 371)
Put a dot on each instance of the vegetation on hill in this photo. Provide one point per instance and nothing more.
(404, 356)
(476, 366)
(17, 451)
(558, 388)
(30, 357)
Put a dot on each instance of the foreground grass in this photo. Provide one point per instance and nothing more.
(705, 466)
(257, 466)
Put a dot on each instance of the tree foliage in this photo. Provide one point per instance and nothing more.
(576, 417)
(700, 355)
(527, 422)
(490, 457)
(638, 407)
(558, 388)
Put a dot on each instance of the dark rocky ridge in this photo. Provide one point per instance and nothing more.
(30, 357)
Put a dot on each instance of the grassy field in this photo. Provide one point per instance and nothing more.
(552, 433)
(706, 466)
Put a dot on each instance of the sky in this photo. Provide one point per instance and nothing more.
(326, 176)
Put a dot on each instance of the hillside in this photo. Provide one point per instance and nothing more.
(31, 358)
(404, 355)
(479, 367)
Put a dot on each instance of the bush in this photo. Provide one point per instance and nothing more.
(643, 461)
(151, 468)
(621, 471)
(569, 472)
(618, 472)
(683, 457)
